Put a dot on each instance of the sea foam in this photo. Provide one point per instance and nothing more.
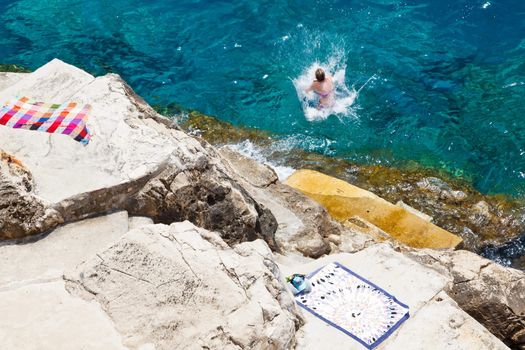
(248, 149)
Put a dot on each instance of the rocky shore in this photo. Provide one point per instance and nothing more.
(151, 238)
(480, 220)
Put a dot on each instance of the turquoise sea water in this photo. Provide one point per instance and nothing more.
(447, 87)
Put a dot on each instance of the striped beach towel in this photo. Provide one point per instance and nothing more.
(67, 118)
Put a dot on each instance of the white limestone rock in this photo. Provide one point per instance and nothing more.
(8, 79)
(54, 81)
(48, 257)
(37, 311)
(442, 325)
(138, 221)
(118, 152)
(490, 293)
(44, 316)
(180, 286)
(303, 225)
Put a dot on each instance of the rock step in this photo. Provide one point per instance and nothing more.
(37, 311)
(345, 201)
(45, 316)
(434, 317)
(62, 249)
(90, 286)
(182, 287)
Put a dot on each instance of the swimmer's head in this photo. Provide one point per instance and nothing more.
(319, 74)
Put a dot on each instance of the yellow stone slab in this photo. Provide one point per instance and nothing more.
(344, 201)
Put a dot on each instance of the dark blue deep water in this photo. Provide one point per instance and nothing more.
(448, 87)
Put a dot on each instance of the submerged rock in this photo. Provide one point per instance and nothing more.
(219, 132)
(441, 189)
(13, 68)
(511, 253)
(344, 201)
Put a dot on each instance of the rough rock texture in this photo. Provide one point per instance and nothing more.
(155, 287)
(209, 199)
(490, 293)
(303, 225)
(450, 200)
(474, 217)
(344, 201)
(182, 287)
(137, 161)
(21, 213)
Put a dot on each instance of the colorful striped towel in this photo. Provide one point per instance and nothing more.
(67, 118)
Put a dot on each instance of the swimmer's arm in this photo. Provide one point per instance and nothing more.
(311, 88)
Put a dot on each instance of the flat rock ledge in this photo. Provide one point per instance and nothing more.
(154, 287)
(436, 321)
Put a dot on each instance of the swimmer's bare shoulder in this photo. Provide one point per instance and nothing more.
(314, 86)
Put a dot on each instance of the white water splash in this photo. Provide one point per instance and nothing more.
(248, 149)
(344, 96)
(519, 83)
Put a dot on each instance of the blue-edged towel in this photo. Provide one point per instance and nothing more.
(353, 305)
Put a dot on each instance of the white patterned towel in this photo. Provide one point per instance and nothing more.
(353, 305)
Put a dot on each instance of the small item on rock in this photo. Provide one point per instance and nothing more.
(299, 284)
(66, 118)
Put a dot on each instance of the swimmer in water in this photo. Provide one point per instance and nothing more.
(324, 87)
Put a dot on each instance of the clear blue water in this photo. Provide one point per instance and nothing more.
(450, 74)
